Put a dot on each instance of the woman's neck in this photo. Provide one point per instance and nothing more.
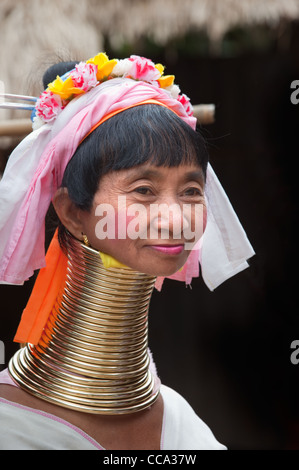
(93, 353)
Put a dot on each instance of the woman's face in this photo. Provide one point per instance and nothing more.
(148, 217)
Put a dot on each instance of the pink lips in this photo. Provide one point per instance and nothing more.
(168, 249)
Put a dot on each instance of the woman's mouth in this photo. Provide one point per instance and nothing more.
(168, 249)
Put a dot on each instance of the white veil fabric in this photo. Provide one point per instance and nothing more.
(225, 247)
(35, 169)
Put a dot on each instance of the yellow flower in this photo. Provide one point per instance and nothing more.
(105, 66)
(166, 81)
(160, 67)
(65, 89)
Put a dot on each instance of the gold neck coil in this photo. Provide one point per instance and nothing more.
(93, 353)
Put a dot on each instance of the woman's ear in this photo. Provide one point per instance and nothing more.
(68, 213)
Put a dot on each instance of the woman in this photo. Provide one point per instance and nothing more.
(116, 151)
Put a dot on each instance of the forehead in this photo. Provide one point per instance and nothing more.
(157, 172)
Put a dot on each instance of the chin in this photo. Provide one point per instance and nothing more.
(156, 265)
(162, 271)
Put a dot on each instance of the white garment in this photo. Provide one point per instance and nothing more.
(23, 428)
(182, 428)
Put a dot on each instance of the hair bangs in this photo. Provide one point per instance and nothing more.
(143, 134)
(149, 134)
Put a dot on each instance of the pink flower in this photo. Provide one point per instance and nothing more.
(143, 69)
(185, 101)
(85, 76)
(48, 106)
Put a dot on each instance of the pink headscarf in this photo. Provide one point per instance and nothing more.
(51, 148)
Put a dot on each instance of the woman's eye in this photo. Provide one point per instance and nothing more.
(143, 190)
(193, 192)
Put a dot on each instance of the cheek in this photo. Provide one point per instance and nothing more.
(111, 222)
(131, 222)
(118, 222)
(123, 221)
(204, 218)
(198, 219)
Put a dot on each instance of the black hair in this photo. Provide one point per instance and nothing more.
(144, 133)
(57, 69)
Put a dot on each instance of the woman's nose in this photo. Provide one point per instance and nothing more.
(167, 221)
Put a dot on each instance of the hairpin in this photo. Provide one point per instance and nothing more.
(12, 105)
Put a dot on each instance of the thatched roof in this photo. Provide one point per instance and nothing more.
(33, 33)
(167, 19)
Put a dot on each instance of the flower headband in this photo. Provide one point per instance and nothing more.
(93, 72)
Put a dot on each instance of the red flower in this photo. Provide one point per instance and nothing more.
(48, 106)
(143, 69)
(85, 76)
(185, 101)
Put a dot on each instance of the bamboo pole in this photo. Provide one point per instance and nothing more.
(15, 127)
(205, 114)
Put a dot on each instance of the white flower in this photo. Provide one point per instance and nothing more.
(122, 68)
(174, 90)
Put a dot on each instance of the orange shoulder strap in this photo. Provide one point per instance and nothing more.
(46, 288)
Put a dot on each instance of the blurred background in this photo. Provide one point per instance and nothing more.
(228, 352)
